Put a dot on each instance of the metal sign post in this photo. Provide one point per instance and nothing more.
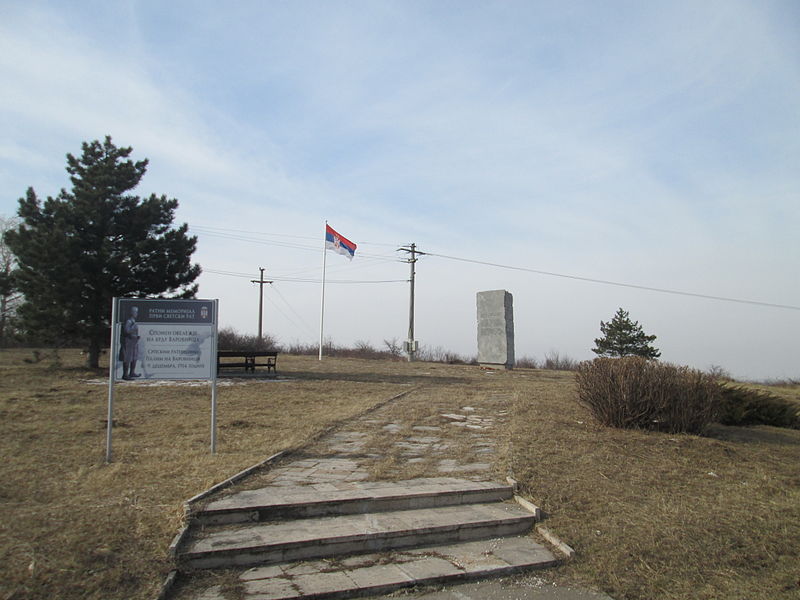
(214, 387)
(111, 371)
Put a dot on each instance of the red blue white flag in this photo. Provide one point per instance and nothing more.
(339, 243)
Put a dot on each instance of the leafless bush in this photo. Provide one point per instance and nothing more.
(360, 349)
(300, 349)
(719, 373)
(230, 339)
(554, 361)
(393, 351)
(364, 349)
(637, 393)
(440, 355)
(394, 347)
(526, 362)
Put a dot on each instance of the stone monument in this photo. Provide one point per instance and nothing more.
(496, 329)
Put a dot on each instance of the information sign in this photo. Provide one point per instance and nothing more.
(165, 339)
(162, 339)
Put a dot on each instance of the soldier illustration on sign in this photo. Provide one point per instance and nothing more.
(129, 346)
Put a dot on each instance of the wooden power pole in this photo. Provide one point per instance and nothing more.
(260, 281)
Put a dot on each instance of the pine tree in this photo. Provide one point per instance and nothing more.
(623, 337)
(76, 251)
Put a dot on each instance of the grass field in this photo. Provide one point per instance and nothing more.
(650, 515)
(655, 515)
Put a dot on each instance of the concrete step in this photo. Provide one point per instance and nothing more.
(320, 537)
(295, 502)
(347, 577)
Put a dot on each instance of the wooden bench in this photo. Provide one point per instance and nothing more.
(249, 360)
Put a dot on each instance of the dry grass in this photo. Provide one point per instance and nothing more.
(655, 515)
(651, 515)
(74, 527)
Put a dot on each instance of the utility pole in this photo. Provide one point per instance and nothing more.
(411, 345)
(260, 281)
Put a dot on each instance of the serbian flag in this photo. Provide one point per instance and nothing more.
(338, 243)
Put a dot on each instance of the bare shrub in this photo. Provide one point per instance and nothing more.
(230, 339)
(329, 348)
(526, 362)
(394, 347)
(441, 355)
(300, 349)
(554, 361)
(719, 373)
(393, 351)
(636, 393)
(364, 349)
(364, 346)
(360, 349)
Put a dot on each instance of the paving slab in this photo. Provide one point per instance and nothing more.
(430, 568)
(323, 583)
(372, 577)
(272, 589)
(265, 572)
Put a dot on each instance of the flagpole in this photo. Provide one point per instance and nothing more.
(322, 302)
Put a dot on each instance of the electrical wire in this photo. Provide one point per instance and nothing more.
(304, 279)
(230, 234)
(208, 229)
(617, 283)
(301, 325)
(303, 322)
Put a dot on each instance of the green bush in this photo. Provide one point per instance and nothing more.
(743, 406)
(637, 393)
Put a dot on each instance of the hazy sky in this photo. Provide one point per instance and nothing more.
(650, 143)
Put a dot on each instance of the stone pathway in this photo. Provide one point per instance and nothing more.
(442, 440)
(417, 438)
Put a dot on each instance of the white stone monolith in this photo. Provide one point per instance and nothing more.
(496, 329)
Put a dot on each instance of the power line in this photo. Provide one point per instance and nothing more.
(227, 273)
(291, 308)
(305, 279)
(208, 229)
(617, 283)
(222, 230)
(341, 281)
(302, 324)
(232, 234)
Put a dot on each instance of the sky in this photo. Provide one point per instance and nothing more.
(655, 144)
